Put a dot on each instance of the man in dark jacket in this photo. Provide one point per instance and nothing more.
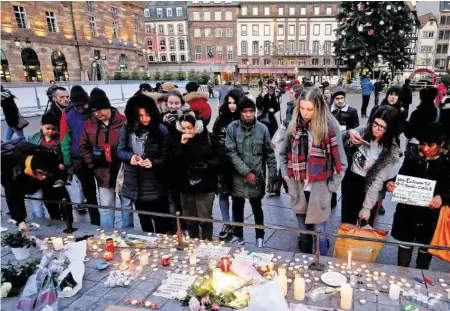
(60, 102)
(11, 113)
(377, 88)
(249, 147)
(406, 95)
(51, 89)
(98, 149)
(25, 169)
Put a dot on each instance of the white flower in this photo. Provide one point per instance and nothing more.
(12, 221)
(194, 304)
(33, 224)
(182, 295)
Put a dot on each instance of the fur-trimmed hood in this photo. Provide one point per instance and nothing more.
(195, 95)
(141, 101)
(198, 123)
(156, 96)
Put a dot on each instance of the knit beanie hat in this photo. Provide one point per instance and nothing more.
(245, 103)
(192, 87)
(397, 89)
(99, 100)
(78, 96)
(50, 118)
(145, 87)
(428, 94)
(337, 91)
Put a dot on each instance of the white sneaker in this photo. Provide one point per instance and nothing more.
(237, 241)
(260, 243)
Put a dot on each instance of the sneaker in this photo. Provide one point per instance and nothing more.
(237, 241)
(260, 243)
(226, 230)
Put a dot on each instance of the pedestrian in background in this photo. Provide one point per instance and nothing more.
(224, 89)
(198, 101)
(366, 90)
(11, 113)
(60, 102)
(377, 88)
(267, 105)
(145, 89)
(50, 91)
(406, 96)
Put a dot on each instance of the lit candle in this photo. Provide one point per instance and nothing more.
(346, 296)
(349, 261)
(126, 255)
(225, 264)
(282, 280)
(193, 258)
(212, 263)
(143, 259)
(394, 292)
(165, 260)
(108, 256)
(217, 273)
(299, 287)
(57, 244)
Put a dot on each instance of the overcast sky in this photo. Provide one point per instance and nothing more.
(424, 7)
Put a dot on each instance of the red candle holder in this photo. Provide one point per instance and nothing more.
(108, 256)
(110, 245)
(165, 260)
(225, 264)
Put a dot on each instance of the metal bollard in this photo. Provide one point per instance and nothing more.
(69, 227)
(181, 244)
(316, 265)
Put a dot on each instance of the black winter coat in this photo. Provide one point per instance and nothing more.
(347, 117)
(10, 111)
(264, 104)
(145, 184)
(198, 161)
(420, 118)
(417, 223)
(406, 96)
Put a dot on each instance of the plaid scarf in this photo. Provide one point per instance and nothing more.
(323, 158)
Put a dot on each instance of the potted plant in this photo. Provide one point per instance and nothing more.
(19, 243)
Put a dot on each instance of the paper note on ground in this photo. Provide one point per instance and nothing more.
(174, 285)
(212, 251)
(257, 259)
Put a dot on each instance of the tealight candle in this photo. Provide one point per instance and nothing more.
(57, 244)
(125, 254)
(143, 259)
(299, 288)
(346, 296)
(165, 260)
(394, 292)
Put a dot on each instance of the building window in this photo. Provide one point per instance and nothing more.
(90, 6)
(255, 61)
(280, 62)
(426, 49)
(146, 12)
(328, 9)
(172, 46)
(302, 62)
(266, 62)
(182, 44)
(162, 44)
(244, 47)
(116, 30)
(173, 58)
(228, 15)
(291, 62)
(302, 46)
(21, 16)
(209, 52)
(255, 47)
(267, 10)
(439, 63)
(182, 57)
(292, 10)
(180, 29)
(151, 59)
(303, 10)
(136, 19)
(179, 11)
(243, 30)
(148, 28)
(150, 44)
(316, 10)
(442, 48)
(266, 47)
(159, 13)
(198, 52)
(219, 52)
(326, 62)
(160, 29)
(255, 30)
(280, 10)
(267, 30)
(291, 30)
(196, 16)
(92, 26)
(245, 62)
(291, 46)
(163, 58)
(328, 29)
(113, 12)
(327, 47)
(255, 10)
(169, 12)
(229, 32)
(218, 33)
(244, 10)
(170, 29)
(218, 16)
(281, 30)
(207, 16)
(197, 33)
(303, 30)
(230, 53)
(208, 33)
(316, 29)
(428, 34)
(315, 61)
(137, 34)
(316, 47)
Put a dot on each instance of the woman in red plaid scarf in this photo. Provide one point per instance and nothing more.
(313, 163)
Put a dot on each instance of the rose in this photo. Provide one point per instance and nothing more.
(194, 304)
(215, 308)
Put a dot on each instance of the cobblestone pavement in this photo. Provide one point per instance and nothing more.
(276, 209)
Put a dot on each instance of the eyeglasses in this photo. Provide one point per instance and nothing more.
(375, 124)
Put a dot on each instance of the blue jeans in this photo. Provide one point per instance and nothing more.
(322, 228)
(224, 204)
(37, 207)
(10, 132)
(107, 217)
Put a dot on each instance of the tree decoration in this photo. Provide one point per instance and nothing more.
(381, 23)
(390, 27)
(388, 7)
(360, 28)
(361, 6)
(371, 32)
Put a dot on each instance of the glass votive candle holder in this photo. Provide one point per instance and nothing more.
(125, 255)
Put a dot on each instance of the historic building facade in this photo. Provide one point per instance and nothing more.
(51, 40)
(426, 42)
(442, 58)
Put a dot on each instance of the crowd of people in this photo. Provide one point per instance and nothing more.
(159, 156)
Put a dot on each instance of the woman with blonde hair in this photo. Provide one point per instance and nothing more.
(313, 163)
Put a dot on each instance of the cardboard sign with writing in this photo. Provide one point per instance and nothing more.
(413, 190)
(212, 251)
(174, 285)
(256, 259)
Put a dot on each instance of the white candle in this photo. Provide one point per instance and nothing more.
(126, 255)
(282, 281)
(57, 244)
(394, 292)
(346, 296)
(193, 258)
(299, 287)
(349, 262)
(143, 259)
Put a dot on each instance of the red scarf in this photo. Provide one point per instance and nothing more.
(323, 159)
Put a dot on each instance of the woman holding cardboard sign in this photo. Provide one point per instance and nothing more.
(417, 223)
(372, 156)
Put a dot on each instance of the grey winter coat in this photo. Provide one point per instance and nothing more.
(249, 150)
(318, 208)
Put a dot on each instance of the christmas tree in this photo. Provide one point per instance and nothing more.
(373, 32)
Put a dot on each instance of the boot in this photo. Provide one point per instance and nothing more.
(305, 244)
(333, 200)
(423, 259)
(404, 256)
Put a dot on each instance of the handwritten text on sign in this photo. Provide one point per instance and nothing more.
(174, 285)
(257, 259)
(413, 190)
(212, 251)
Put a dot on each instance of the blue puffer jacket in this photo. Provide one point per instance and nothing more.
(366, 86)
